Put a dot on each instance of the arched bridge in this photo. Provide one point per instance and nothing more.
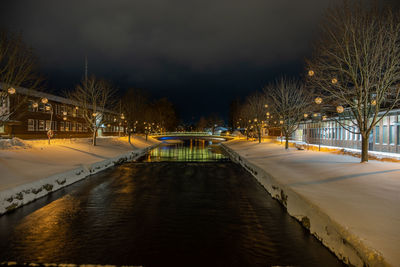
(190, 135)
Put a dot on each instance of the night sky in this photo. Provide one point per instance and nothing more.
(199, 54)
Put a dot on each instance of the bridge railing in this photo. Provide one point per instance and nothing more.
(181, 134)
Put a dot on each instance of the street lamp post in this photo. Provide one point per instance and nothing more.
(48, 107)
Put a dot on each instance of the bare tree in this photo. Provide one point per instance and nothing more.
(164, 115)
(93, 96)
(245, 119)
(356, 64)
(213, 121)
(201, 124)
(134, 106)
(288, 102)
(255, 104)
(17, 68)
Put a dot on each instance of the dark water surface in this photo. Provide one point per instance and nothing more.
(191, 212)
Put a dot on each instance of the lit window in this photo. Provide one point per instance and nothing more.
(31, 125)
(384, 134)
(41, 125)
(377, 134)
(391, 134)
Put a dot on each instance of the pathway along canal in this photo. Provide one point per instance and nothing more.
(181, 205)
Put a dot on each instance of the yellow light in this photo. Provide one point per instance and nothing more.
(265, 105)
(334, 81)
(35, 105)
(64, 113)
(305, 115)
(339, 109)
(47, 108)
(324, 117)
(108, 125)
(318, 100)
(373, 102)
(115, 119)
(11, 90)
(311, 73)
(77, 107)
(65, 118)
(315, 114)
(267, 113)
(255, 119)
(45, 100)
(94, 114)
(280, 122)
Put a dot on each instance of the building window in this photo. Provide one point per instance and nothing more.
(67, 126)
(377, 134)
(73, 126)
(31, 125)
(48, 127)
(391, 134)
(62, 126)
(398, 135)
(41, 125)
(384, 134)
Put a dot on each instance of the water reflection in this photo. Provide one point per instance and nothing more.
(195, 150)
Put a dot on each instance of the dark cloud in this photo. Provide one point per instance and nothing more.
(200, 53)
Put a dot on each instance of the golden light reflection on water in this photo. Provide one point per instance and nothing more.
(196, 150)
(37, 231)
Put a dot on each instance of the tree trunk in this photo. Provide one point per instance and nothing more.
(146, 136)
(286, 142)
(129, 137)
(259, 136)
(364, 148)
(94, 137)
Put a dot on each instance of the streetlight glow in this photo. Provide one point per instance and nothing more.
(11, 90)
(318, 100)
(311, 73)
(44, 100)
(339, 109)
(334, 80)
(305, 115)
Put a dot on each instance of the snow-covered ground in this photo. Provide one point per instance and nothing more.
(31, 169)
(353, 208)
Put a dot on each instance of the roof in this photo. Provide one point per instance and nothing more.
(39, 94)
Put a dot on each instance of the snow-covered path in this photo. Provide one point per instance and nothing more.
(19, 165)
(363, 198)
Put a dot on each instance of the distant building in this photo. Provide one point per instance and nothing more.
(385, 136)
(29, 118)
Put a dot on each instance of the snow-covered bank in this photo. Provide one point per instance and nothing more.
(37, 168)
(353, 208)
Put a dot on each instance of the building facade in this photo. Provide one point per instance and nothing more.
(385, 136)
(26, 116)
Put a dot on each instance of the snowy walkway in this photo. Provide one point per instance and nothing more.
(363, 198)
(35, 160)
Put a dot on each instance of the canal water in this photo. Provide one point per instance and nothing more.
(183, 204)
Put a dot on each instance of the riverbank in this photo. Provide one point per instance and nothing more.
(352, 208)
(32, 169)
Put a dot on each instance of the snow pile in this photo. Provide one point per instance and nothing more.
(352, 208)
(237, 133)
(14, 143)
